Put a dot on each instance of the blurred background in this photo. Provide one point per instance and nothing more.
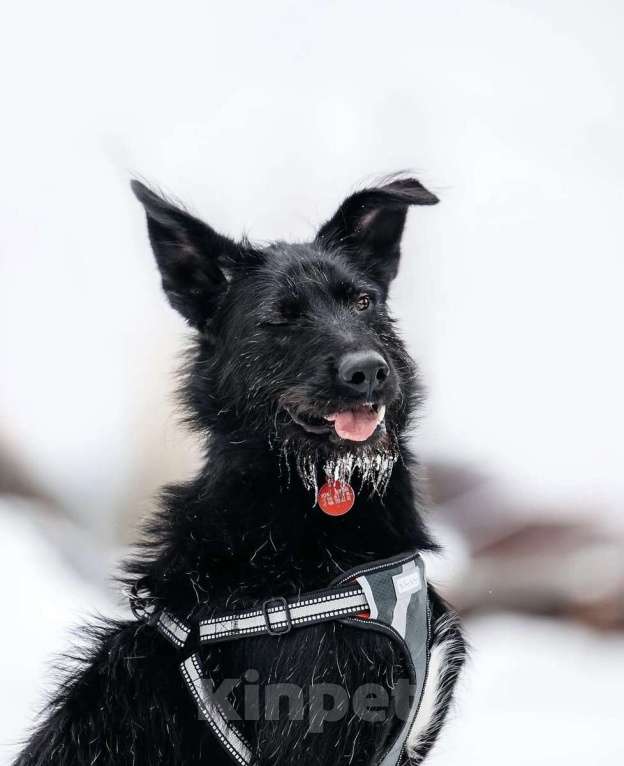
(261, 117)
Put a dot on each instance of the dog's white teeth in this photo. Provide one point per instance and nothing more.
(381, 413)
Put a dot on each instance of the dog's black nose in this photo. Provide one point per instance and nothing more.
(363, 372)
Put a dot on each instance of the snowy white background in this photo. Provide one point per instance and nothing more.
(261, 116)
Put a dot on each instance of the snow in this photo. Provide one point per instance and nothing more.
(538, 692)
(43, 601)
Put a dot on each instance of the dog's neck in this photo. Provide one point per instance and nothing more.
(248, 514)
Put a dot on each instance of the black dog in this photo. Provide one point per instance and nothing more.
(297, 377)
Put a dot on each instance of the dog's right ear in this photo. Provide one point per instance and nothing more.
(193, 259)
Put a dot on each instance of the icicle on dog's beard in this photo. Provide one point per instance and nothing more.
(372, 464)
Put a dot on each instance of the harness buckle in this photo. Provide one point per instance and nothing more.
(283, 604)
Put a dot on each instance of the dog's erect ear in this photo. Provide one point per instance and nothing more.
(193, 259)
(369, 225)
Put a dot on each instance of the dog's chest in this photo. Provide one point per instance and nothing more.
(297, 692)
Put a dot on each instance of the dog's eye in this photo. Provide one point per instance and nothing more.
(362, 302)
(275, 322)
(284, 313)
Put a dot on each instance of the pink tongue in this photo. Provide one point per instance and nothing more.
(356, 425)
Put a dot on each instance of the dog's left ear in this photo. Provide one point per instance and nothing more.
(193, 259)
(369, 226)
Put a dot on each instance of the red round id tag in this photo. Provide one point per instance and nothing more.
(335, 498)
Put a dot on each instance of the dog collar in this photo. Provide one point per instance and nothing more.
(388, 596)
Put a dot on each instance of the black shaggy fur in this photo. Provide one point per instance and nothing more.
(271, 327)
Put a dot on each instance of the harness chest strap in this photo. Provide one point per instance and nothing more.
(388, 596)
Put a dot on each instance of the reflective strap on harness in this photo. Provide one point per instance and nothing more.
(279, 615)
(172, 628)
(144, 608)
(229, 736)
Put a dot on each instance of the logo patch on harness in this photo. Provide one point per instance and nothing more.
(408, 582)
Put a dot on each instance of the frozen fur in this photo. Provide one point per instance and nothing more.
(272, 328)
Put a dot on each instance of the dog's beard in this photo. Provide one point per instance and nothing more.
(371, 464)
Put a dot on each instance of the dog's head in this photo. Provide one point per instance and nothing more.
(295, 341)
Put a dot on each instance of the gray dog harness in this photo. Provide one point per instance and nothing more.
(388, 596)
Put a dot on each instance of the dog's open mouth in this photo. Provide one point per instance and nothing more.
(357, 424)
